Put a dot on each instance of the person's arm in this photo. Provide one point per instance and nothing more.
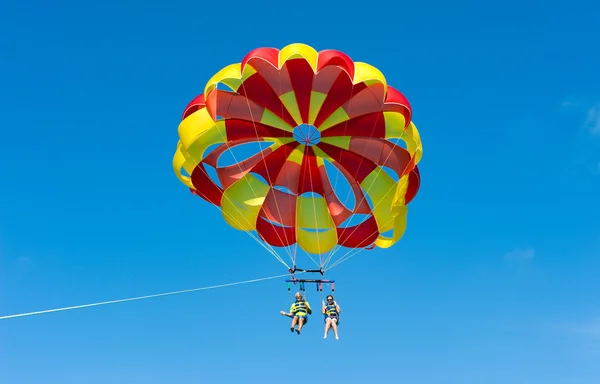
(291, 313)
(337, 307)
(308, 308)
(286, 314)
(323, 306)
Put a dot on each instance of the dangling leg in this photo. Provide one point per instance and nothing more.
(300, 324)
(327, 326)
(294, 320)
(335, 328)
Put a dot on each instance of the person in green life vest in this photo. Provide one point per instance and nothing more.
(331, 311)
(299, 312)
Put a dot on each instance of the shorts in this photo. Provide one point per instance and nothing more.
(332, 317)
(302, 316)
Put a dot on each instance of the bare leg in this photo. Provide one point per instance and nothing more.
(300, 324)
(335, 329)
(327, 326)
(294, 319)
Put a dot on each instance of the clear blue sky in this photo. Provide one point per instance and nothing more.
(495, 282)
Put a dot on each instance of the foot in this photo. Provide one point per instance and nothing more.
(325, 336)
(291, 329)
(337, 337)
(298, 331)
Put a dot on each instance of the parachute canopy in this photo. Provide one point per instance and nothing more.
(337, 164)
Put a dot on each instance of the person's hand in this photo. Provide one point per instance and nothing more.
(282, 312)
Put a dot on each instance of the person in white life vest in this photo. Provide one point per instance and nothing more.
(299, 312)
(331, 311)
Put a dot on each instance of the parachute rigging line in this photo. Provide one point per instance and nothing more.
(141, 297)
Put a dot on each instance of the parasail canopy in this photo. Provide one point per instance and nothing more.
(335, 158)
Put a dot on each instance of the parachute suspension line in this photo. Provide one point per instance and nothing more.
(333, 251)
(287, 176)
(315, 215)
(295, 253)
(348, 255)
(310, 257)
(255, 238)
(265, 244)
(258, 139)
(330, 255)
(379, 170)
(294, 247)
(141, 297)
(295, 257)
(356, 203)
(353, 252)
(319, 265)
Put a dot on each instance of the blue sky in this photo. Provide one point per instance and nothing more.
(494, 282)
